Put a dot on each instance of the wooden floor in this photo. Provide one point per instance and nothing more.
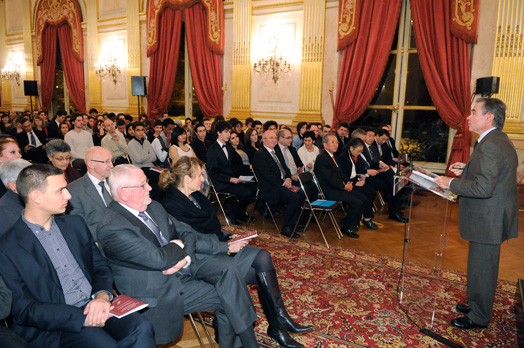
(428, 221)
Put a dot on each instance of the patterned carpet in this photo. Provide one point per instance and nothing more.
(351, 299)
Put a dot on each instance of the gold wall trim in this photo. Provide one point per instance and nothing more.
(111, 19)
(241, 58)
(277, 5)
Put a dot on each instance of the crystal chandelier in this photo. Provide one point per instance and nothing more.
(273, 63)
(108, 67)
(11, 71)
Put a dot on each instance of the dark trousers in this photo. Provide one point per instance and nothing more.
(354, 204)
(128, 332)
(245, 192)
(293, 201)
(384, 182)
(483, 272)
(9, 339)
(369, 193)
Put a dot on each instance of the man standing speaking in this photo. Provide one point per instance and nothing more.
(488, 207)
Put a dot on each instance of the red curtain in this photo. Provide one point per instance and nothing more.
(206, 69)
(73, 68)
(163, 62)
(364, 60)
(47, 67)
(444, 60)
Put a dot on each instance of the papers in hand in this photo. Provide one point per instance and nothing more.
(246, 178)
(426, 179)
(124, 305)
(245, 236)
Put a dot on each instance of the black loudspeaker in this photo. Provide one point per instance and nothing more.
(30, 88)
(138, 85)
(488, 85)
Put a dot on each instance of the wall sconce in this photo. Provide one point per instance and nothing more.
(273, 63)
(108, 66)
(12, 69)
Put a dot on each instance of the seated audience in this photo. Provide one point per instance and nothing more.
(8, 338)
(189, 132)
(5, 125)
(98, 133)
(342, 136)
(53, 127)
(59, 155)
(63, 130)
(289, 153)
(270, 125)
(211, 135)
(90, 194)
(62, 285)
(115, 143)
(80, 141)
(335, 188)
(298, 140)
(162, 143)
(237, 129)
(325, 130)
(142, 154)
(32, 142)
(348, 164)
(313, 127)
(234, 140)
(155, 132)
(275, 183)
(39, 124)
(308, 152)
(200, 144)
(224, 166)
(179, 146)
(9, 149)
(186, 203)
(10, 204)
(250, 143)
(151, 263)
(130, 133)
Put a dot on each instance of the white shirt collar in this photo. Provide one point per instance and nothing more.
(131, 210)
(268, 149)
(220, 143)
(485, 133)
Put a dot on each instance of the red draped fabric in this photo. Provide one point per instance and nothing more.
(445, 64)
(206, 69)
(47, 67)
(365, 59)
(73, 68)
(163, 62)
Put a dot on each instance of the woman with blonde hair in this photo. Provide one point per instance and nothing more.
(186, 203)
(9, 150)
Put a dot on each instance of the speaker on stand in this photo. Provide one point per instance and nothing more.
(138, 88)
(30, 89)
(487, 85)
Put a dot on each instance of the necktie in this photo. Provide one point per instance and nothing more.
(370, 152)
(225, 151)
(153, 227)
(33, 140)
(282, 171)
(105, 194)
(475, 146)
(354, 159)
(285, 157)
(334, 160)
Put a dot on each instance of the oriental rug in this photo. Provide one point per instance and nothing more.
(350, 298)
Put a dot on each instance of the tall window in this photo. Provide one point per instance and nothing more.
(61, 99)
(402, 100)
(183, 100)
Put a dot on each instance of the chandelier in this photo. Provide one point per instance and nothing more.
(273, 63)
(11, 71)
(109, 67)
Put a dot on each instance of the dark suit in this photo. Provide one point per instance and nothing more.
(11, 207)
(86, 202)
(346, 166)
(7, 337)
(35, 154)
(53, 132)
(221, 168)
(488, 215)
(271, 183)
(341, 143)
(40, 313)
(137, 261)
(200, 148)
(331, 181)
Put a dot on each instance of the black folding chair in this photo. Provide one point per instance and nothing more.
(268, 208)
(329, 209)
(219, 197)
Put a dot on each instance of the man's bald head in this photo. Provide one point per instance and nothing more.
(269, 139)
(99, 162)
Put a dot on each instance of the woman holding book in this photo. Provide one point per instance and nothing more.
(187, 204)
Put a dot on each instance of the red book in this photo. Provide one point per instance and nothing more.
(124, 305)
(244, 236)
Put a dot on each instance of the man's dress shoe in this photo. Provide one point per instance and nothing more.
(398, 217)
(287, 233)
(351, 233)
(465, 323)
(370, 224)
(463, 308)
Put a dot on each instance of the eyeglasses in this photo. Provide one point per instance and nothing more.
(106, 161)
(143, 186)
(62, 159)
(288, 138)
